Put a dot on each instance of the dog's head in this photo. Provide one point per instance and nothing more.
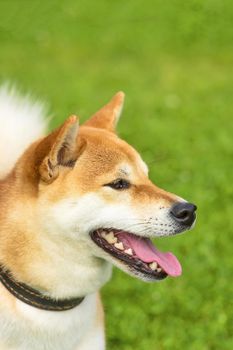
(94, 187)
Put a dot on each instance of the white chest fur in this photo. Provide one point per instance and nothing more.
(25, 328)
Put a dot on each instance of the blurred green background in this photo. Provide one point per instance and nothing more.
(174, 60)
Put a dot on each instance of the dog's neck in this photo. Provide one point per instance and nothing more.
(34, 298)
(56, 266)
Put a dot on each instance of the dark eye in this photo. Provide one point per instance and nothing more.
(119, 184)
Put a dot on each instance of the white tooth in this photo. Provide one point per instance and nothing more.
(110, 238)
(153, 266)
(129, 251)
(119, 246)
(159, 269)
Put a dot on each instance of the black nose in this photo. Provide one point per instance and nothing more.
(184, 213)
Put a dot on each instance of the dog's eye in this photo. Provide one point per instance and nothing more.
(119, 184)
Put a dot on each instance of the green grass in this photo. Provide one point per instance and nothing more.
(174, 61)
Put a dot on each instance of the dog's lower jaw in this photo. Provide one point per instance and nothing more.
(74, 271)
(79, 280)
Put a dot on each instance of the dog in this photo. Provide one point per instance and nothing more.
(73, 203)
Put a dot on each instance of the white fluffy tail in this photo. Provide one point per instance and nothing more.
(22, 121)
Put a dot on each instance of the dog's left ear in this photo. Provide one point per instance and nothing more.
(62, 148)
(108, 116)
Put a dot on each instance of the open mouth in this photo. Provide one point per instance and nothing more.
(138, 253)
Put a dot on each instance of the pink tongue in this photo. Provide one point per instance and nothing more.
(146, 251)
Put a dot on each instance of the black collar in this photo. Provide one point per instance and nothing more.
(34, 298)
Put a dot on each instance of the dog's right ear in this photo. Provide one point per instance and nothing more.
(58, 148)
(107, 117)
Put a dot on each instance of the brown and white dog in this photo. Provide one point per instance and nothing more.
(74, 203)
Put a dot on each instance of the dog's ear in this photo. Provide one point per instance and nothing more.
(58, 148)
(108, 116)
